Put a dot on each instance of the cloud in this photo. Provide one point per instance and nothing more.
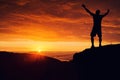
(63, 20)
(57, 8)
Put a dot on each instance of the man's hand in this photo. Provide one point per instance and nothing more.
(87, 10)
(83, 6)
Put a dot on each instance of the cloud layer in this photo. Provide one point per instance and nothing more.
(56, 20)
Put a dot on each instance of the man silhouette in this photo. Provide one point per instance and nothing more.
(97, 20)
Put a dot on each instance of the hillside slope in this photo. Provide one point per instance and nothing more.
(14, 66)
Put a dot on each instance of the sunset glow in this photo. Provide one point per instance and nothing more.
(54, 25)
(39, 50)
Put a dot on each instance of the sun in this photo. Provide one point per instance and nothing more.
(39, 50)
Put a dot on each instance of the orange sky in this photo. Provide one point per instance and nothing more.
(55, 25)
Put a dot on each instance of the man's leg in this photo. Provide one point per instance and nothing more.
(92, 41)
(100, 38)
(92, 38)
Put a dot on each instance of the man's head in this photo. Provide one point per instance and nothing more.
(98, 12)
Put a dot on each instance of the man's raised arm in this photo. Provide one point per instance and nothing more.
(87, 10)
(106, 13)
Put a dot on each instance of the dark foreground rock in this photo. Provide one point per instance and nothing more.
(101, 63)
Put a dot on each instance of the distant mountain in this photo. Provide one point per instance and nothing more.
(100, 63)
(14, 66)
